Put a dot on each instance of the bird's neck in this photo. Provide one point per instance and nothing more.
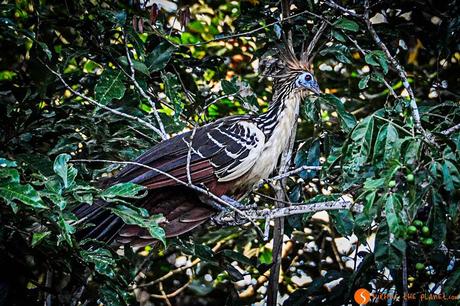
(281, 114)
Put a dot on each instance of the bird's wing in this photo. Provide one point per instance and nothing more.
(223, 151)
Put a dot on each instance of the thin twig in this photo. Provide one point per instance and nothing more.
(163, 295)
(401, 72)
(295, 171)
(451, 130)
(178, 270)
(404, 279)
(247, 33)
(173, 294)
(92, 101)
(343, 9)
(132, 77)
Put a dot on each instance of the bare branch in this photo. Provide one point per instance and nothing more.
(165, 296)
(343, 9)
(92, 101)
(401, 72)
(243, 34)
(295, 171)
(132, 77)
(178, 270)
(278, 230)
(451, 130)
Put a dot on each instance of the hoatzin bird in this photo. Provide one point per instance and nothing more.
(228, 157)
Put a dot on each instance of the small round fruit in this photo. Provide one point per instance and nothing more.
(411, 229)
(425, 231)
(391, 184)
(428, 241)
(419, 266)
(410, 177)
(417, 223)
(411, 279)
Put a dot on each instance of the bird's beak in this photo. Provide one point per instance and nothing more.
(316, 90)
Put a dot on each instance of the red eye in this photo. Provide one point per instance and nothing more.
(307, 77)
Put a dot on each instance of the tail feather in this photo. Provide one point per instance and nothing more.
(181, 208)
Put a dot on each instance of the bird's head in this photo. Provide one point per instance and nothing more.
(304, 80)
(290, 73)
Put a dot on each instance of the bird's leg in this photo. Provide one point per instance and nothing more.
(226, 215)
(217, 205)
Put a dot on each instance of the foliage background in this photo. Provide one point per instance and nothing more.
(198, 61)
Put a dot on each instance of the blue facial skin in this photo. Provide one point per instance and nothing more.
(307, 81)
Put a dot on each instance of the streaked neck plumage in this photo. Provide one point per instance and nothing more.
(284, 107)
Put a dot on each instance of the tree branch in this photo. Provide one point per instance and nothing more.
(451, 130)
(278, 230)
(132, 77)
(92, 101)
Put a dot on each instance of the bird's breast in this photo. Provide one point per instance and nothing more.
(276, 143)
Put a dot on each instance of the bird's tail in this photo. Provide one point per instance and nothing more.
(182, 209)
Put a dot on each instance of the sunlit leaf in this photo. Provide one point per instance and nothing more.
(110, 86)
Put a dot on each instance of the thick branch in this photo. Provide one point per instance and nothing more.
(278, 230)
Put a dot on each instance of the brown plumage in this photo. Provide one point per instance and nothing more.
(228, 157)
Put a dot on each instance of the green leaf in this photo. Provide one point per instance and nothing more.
(347, 120)
(64, 171)
(362, 138)
(451, 176)
(103, 261)
(338, 36)
(229, 88)
(24, 193)
(131, 216)
(45, 49)
(453, 282)
(412, 153)
(12, 175)
(7, 163)
(159, 57)
(346, 24)
(363, 82)
(172, 88)
(387, 145)
(125, 190)
(388, 251)
(377, 58)
(343, 221)
(392, 209)
(138, 66)
(308, 157)
(38, 237)
(110, 86)
(341, 53)
(66, 230)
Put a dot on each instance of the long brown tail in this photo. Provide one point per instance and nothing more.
(180, 206)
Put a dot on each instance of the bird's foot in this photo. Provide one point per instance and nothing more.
(228, 214)
(222, 207)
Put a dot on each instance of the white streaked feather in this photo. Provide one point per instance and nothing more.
(247, 163)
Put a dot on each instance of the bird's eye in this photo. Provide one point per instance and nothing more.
(307, 77)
